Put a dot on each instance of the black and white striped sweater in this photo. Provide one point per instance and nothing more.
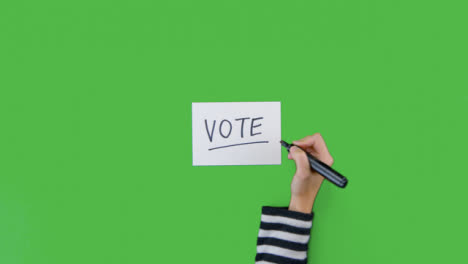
(283, 237)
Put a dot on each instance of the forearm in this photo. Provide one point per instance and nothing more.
(284, 236)
(303, 203)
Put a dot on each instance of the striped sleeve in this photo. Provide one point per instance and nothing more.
(283, 237)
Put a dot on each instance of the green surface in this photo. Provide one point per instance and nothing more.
(95, 127)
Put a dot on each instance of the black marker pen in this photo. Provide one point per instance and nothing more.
(322, 168)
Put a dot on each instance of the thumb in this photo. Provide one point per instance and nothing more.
(302, 162)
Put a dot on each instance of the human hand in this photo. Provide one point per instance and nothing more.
(306, 182)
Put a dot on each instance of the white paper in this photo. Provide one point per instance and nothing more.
(236, 133)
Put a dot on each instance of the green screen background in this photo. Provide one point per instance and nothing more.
(95, 112)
